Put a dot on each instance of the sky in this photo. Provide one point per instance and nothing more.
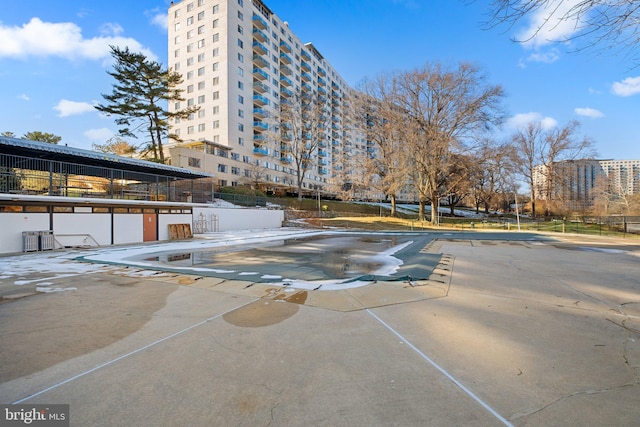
(54, 58)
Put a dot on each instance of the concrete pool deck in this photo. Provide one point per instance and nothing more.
(507, 332)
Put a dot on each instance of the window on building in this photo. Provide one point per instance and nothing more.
(240, 16)
(190, 20)
(240, 29)
(216, 37)
(241, 141)
(216, 110)
(235, 156)
(240, 44)
(176, 14)
(200, 43)
(200, 16)
(222, 168)
(190, 102)
(190, 61)
(190, 47)
(200, 85)
(189, 7)
(240, 71)
(216, 81)
(190, 130)
(216, 95)
(189, 75)
(216, 8)
(176, 106)
(235, 170)
(194, 162)
(201, 2)
(240, 113)
(240, 99)
(189, 88)
(216, 66)
(176, 40)
(241, 127)
(201, 113)
(216, 52)
(201, 127)
(177, 26)
(240, 57)
(240, 85)
(190, 34)
(200, 57)
(240, 3)
(176, 66)
(201, 99)
(201, 71)
(176, 53)
(216, 124)
(216, 23)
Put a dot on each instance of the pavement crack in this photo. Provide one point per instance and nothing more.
(533, 411)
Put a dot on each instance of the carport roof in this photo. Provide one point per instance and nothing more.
(62, 153)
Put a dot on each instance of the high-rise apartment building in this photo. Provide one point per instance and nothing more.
(238, 61)
(577, 182)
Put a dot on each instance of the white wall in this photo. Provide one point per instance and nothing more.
(74, 229)
(166, 219)
(12, 224)
(242, 219)
(127, 228)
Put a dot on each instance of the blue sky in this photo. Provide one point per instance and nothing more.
(54, 58)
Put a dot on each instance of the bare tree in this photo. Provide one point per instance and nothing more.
(446, 106)
(115, 145)
(538, 152)
(303, 125)
(386, 167)
(597, 23)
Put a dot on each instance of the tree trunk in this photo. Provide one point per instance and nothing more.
(393, 205)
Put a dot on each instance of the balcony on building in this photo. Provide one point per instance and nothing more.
(260, 48)
(285, 58)
(260, 87)
(259, 35)
(259, 138)
(322, 72)
(285, 81)
(286, 159)
(306, 77)
(260, 100)
(322, 153)
(260, 74)
(260, 125)
(285, 91)
(335, 86)
(259, 22)
(285, 47)
(305, 55)
(305, 66)
(322, 90)
(260, 60)
(259, 113)
(260, 151)
(322, 171)
(322, 144)
(286, 70)
(322, 81)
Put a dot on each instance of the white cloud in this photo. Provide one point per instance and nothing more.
(627, 87)
(160, 19)
(589, 112)
(520, 121)
(67, 108)
(551, 24)
(99, 135)
(24, 97)
(544, 57)
(64, 39)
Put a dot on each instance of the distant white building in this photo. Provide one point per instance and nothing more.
(575, 182)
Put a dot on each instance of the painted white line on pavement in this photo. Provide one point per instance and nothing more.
(111, 362)
(442, 371)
